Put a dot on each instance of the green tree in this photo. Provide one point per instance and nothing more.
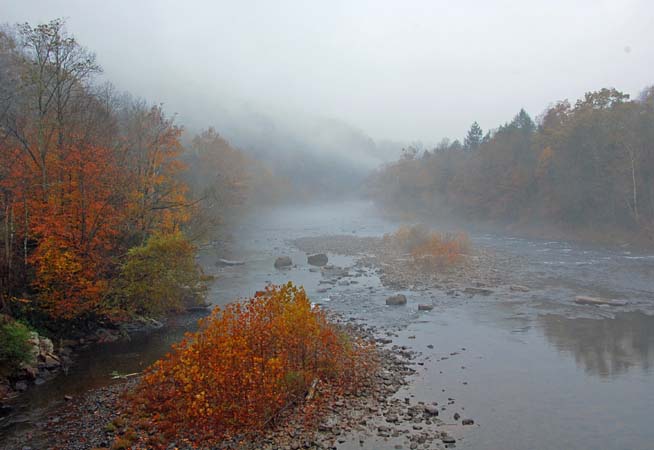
(161, 276)
(474, 137)
(14, 345)
(523, 122)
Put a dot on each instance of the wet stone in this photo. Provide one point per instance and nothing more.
(396, 300)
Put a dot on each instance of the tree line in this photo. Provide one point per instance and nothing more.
(96, 185)
(585, 167)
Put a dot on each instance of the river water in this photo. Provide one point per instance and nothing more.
(533, 369)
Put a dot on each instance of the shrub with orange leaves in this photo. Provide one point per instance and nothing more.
(247, 363)
(429, 248)
(442, 249)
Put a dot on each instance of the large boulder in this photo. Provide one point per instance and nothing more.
(45, 345)
(40, 346)
(319, 259)
(283, 261)
(398, 299)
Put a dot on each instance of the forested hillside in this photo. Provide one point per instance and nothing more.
(100, 201)
(586, 167)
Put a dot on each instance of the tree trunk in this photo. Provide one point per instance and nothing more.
(634, 188)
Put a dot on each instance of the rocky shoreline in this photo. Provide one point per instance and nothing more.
(49, 359)
(375, 415)
(399, 271)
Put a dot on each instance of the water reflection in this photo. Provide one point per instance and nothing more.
(604, 347)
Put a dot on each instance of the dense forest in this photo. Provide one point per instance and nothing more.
(586, 168)
(102, 196)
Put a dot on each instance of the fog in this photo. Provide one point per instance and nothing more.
(340, 77)
(357, 216)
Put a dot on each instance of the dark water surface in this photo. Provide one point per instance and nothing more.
(537, 372)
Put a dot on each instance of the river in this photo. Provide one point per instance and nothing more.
(533, 369)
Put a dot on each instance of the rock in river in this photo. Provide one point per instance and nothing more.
(423, 307)
(585, 300)
(319, 259)
(227, 262)
(51, 362)
(478, 290)
(518, 288)
(398, 299)
(334, 271)
(283, 261)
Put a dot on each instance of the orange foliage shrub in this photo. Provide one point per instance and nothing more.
(406, 238)
(246, 363)
(429, 248)
(442, 249)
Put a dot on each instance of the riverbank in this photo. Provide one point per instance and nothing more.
(97, 419)
(521, 364)
(50, 359)
(156, 279)
(597, 235)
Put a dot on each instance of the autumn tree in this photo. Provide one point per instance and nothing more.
(94, 188)
(152, 150)
(56, 70)
(585, 166)
(85, 175)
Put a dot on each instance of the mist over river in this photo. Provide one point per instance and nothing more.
(533, 369)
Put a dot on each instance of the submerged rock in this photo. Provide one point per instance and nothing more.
(598, 301)
(334, 271)
(398, 299)
(518, 288)
(319, 259)
(424, 307)
(478, 290)
(283, 261)
(104, 335)
(199, 307)
(227, 262)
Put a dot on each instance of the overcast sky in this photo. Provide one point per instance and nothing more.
(395, 69)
